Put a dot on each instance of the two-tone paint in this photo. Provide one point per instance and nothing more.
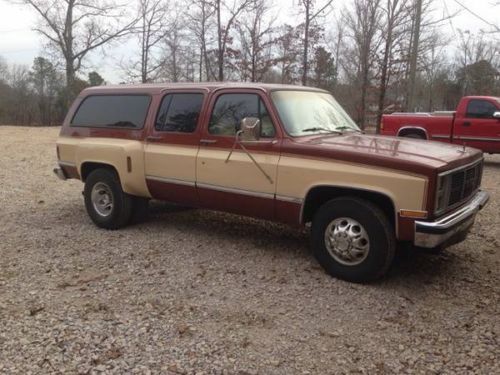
(192, 168)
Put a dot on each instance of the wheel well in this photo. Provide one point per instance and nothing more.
(416, 131)
(89, 167)
(319, 195)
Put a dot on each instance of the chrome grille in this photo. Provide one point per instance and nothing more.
(458, 185)
(464, 183)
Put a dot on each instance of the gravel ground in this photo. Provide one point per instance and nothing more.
(197, 292)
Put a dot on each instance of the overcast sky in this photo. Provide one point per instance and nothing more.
(19, 44)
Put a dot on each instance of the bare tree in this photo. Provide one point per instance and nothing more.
(151, 29)
(288, 51)
(257, 37)
(310, 16)
(46, 84)
(74, 28)
(233, 8)
(363, 26)
(472, 49)
(200, 24)
(395, 25)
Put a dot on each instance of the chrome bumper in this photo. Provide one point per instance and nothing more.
(430, 234)
(58, 171)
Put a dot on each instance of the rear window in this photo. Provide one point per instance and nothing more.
(113, 111)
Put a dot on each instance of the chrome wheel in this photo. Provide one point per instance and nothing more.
(347, 241)
(102, 199)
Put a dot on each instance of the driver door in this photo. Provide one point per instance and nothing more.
(479, 128)
(238, 185)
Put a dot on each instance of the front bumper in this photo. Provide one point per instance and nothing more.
(430, 234)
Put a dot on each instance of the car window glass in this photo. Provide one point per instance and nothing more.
(230, 109)
(179, 112)
(480, 109)
(114, 111)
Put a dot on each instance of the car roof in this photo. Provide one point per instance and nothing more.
(156, 88)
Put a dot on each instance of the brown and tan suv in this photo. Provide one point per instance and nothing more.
(281, 153)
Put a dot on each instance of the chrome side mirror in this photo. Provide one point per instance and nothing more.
(496, 115)
(249, 129)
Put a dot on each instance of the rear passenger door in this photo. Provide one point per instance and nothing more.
(172, 146)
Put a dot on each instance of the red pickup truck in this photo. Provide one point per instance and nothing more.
(475, 123)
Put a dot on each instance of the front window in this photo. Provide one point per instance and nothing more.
(478, 108)
(310, 112)
(230, 109)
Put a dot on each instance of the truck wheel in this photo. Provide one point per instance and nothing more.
(353, 239)
(107, 204)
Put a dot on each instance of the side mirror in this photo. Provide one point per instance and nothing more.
(496, 115)
(249, 129)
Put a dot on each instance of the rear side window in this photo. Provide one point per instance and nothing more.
(179, 112)
(480, 109)
(113, 111)
(230, 109)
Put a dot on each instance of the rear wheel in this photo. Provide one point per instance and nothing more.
(353, 239)
(107, 204)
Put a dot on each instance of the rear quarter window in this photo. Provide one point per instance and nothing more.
(112, 111)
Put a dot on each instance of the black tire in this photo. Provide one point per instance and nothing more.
(414, 136)
(376, 227)
(120, 213)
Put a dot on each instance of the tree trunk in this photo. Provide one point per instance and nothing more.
(383, 77)
(306, 44)
(413, 57)
(220, 43)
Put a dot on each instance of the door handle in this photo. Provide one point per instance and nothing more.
(153, 138)
(208, 141)
(466, 123)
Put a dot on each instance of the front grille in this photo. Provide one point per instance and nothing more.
(464, 183)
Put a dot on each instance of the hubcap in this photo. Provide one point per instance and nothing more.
(347, 241)
(102, 199)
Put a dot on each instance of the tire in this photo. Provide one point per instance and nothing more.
(107, 204)
(414, 136)
(353, 223)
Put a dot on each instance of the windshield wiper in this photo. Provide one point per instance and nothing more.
(318, 128)
(348, 128)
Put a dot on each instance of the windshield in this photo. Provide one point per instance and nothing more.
(309, 112)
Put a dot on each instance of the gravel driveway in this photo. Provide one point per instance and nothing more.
(198, 292)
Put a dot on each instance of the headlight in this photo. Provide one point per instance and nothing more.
(443, 193)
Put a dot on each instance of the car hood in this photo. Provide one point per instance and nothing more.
(392, 152)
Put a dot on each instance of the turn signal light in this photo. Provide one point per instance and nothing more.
(413, 214)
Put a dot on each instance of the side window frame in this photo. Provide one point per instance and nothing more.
(174, 92)
(144, 122)
(468, 114)
(218, 95)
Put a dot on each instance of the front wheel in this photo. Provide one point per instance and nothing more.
(353, 239)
